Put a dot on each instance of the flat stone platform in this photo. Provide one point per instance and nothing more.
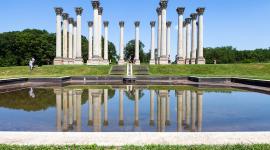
(120, 139)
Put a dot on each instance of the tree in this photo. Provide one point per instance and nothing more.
(18, 47)
(129, 52)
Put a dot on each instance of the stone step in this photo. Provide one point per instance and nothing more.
(140, 70)
(118, 70)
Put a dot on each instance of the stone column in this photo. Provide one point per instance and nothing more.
(152, 108)
(100, 11)
(179, 110)
(96, 57)
(74, 40)
(65, 38)
(159, 33)
(106, 122)
(163, 58)
(188, 40)
(121, 107)
(152, 59)
(137, 43)
(200, 110)
(78, 93)
(193, 38)
(200, 59)
(180, 51)
(168, 47)
(121, 46)
(79, 59)
(136, 123)
(70, 41)
(58, 59)
(58, 93)
(90, 108)
(106, 50)
(90, 42)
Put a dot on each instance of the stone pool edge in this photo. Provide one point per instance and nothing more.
(136, 138)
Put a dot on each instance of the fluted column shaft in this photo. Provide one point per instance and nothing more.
(95, 5)
(106, 51)
(188, 41)
(74, 39)
(152, 59)
(100, 11)
(58, 12)
(137, 42)
(159, 32)
(90, 40)
(78, 59)
(121, 45)
(180, 49)
(168, 48)
(193, 38)
(65, 37)
(184, 42)
(200, 59)
(70, 40)
(163, 57)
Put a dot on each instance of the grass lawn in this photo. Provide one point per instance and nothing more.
(54, 71)
(259, 71)
(149, 147)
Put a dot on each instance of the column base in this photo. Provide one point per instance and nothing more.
(65, 61)
(152, 62)
(200, 60)
(121, 62)
(58, 61)
(95, 61)
(193, 61)
(78, 61)
(187, 61)
(71, 61)
(163, 61)
(106, 62)
(137, 61)
(180, 61)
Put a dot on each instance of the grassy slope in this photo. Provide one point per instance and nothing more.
(260, 71)
(149, 147)
(53, 71)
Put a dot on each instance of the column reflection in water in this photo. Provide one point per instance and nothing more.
(70, 109)
(121, 107)
(96, 94)
(58, 93)
(65, 110)
(188, 109)
(179, 95)
(193, 110)
(163, 94)
(78, 93)
(152, 108)
(90, 108)
(200, 109)
(168, 113)
(105, 123)
(158, 111)
(136, 123)
(184, 109)
(74, 107)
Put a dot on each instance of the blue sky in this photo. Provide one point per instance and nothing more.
(243, 24)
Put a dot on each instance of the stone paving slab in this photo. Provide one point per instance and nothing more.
(120, 139)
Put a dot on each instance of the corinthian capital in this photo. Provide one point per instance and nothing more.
(100, 10)
(65, 16)
(95, 4)
(152, 23)
(163, 4)
(58, 10)
(180, 10)
(78, 10)
(158, 11)
(137, 23)
(193, 16)
(90, 23)
(200, 10)
(121, 23)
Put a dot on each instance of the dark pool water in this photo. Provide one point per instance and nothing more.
(134, 109)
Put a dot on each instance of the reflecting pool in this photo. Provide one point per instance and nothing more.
(134, 109)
